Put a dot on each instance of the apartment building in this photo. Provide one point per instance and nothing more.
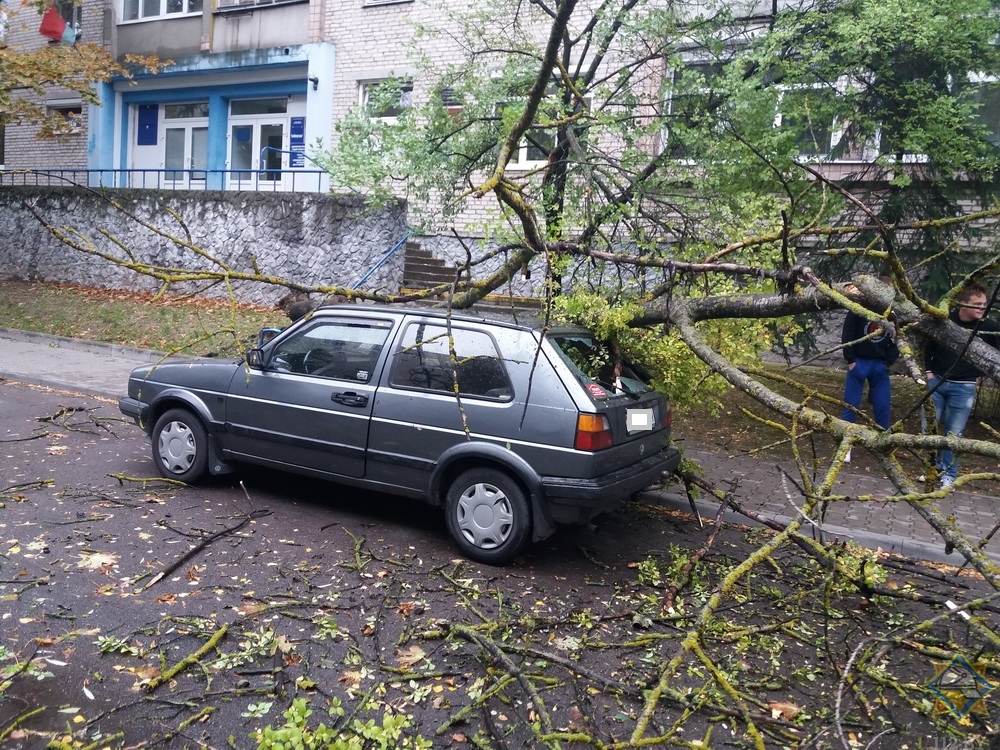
(255, 85)
(248, 90)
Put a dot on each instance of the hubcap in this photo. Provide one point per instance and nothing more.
(177, 447)
(485, 516)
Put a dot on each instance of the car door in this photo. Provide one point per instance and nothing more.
(310, 405)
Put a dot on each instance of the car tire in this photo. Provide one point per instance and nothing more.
(180, 446)
(488, 516)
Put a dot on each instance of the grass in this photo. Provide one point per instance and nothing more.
(172, 324)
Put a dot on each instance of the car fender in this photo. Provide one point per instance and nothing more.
(482, 453)
(174, 397)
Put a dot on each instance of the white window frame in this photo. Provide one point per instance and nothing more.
(668, 101)
(163, 14)
(63, 108)
(987, 79)
(365, 87)
(836, 128)
(519, 159)
(975, 77)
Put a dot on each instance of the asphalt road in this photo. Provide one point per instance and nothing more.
(109, 575)
(81, 549)
(137, 613)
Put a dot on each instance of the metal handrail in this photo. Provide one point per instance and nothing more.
(382, 260)
(284, 151)
(240, 180)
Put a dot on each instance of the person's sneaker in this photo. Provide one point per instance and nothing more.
(847, 458)
(947, 482)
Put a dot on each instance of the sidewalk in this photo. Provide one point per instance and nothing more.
(103, 370)
(73, 364)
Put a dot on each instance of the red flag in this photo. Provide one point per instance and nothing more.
(53, 25)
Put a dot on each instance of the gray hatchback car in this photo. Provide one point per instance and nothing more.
(511, 429)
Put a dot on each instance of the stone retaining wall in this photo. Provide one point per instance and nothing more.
(304, 237)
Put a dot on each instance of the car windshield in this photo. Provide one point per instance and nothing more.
(594, 363)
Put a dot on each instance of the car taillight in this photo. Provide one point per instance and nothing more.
(593, 432)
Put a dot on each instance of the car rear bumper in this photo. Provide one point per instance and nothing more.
(576, 500)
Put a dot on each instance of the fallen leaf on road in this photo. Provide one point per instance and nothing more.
(251, 608)
(97, 560)
(786, 711)
(407, 657)
(351, 680)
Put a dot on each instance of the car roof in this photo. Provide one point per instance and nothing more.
(469, 316)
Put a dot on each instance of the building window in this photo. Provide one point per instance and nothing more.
(450, 101)
(691, 100)
(534, 149)
(369, 3)
(139, 10)
(66, 117)
(388, 98)
(276, 106)
(539, 141)
(61, 22)
(801, 113)
(987, 94)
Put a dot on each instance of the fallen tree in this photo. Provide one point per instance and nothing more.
(700, 253)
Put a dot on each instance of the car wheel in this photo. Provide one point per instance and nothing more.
(488, 516)
(180, 446)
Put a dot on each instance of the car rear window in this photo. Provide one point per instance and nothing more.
(598, 369)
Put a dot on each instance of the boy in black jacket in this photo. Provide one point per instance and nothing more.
(954, 380)
(868, 359)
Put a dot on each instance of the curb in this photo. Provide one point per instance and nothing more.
(93, 347)
(677, 500)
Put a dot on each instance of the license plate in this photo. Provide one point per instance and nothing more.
(637, 420)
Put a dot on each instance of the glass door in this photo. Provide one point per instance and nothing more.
(258, 146)
(185, 157)
(257, 157)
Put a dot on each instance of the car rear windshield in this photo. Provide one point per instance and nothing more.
(594, 363)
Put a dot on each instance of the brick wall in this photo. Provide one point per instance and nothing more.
(23, 149)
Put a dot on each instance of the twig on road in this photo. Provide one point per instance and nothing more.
(201, 545)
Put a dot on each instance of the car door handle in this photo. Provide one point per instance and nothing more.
(350, 398)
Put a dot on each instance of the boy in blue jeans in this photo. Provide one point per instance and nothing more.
(868, 360)
(954, 381)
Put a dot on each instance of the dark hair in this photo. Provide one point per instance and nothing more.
(970, 291)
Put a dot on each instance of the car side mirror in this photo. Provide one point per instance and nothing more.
(255, 359)
(266, 334)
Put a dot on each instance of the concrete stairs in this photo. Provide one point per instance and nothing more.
(421, 270)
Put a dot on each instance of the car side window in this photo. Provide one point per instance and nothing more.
(345, 349)
(424, 360)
